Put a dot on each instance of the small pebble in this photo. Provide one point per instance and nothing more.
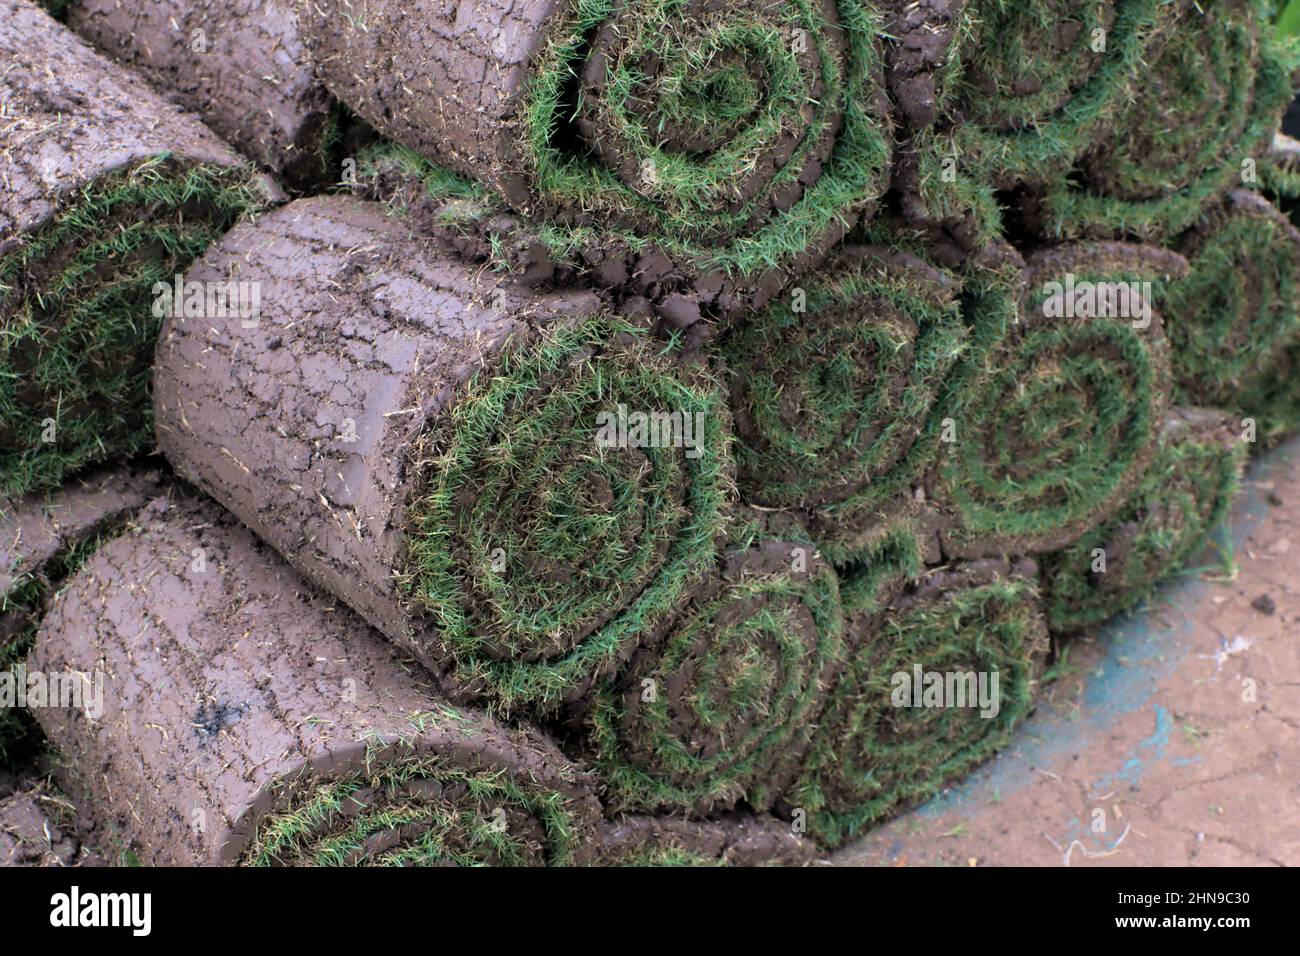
(1264, 604)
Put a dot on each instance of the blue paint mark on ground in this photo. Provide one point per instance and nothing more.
(1148, 752)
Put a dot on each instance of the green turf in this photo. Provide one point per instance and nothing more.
(465, 823)
(1234, 322)
(1051, 425)
(1020, 103)
(871, 759)
(78, 336)
(735, 85)
(838, 392)
(1211, 101)
(557, 531)
(1185, 495)
(742, 671)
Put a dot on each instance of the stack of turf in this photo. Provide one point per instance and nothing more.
(717, 414)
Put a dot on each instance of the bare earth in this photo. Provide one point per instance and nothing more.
(1172, 738)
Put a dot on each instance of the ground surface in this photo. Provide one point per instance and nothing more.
(1171, 738)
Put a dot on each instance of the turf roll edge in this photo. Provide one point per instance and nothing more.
(1203, 109)
(996, 94)
(1056, 425)
(719, 710)
(515, 486)
(1186, 494)
(726, 143)
(1234, 321)
(107, 190)
(260, 724)
(833, 388)
(887, 740)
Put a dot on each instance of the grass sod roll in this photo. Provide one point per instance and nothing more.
(107, 191)
(1234, 321)
(1186, 494)
(261, 724)
(1056, 429)
(241, 67)
(720, 710)
(736, 840)
(834, 382)
(724, 145)
(996, 93)
(44, 538)
(514, 486)
(889, 738)
(1031, 83)
(1201, 114)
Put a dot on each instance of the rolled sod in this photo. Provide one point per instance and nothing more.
(737, 840)
(1185, 495)
(514, 486)
(721, 709)
(1234, 321)
(999, 93)
(44, 538)
(888, 740)
(107, 190)
(241, 67)
(834, 384)
(246, 719)
(1050, 435)
(1199, 115)
(722, 145)
(1028, 84)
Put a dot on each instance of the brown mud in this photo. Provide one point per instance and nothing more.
(239, 64)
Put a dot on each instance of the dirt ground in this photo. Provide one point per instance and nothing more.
(1170, 738)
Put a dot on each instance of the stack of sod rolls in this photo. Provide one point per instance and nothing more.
(682, 443)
